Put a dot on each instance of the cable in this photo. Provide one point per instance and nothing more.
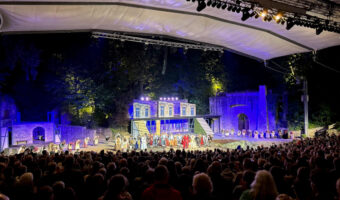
(278, 71)
(325, 66)
(279, 66)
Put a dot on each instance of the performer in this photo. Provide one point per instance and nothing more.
(95, 140)
(243, 132)
(77, 147)
(62, 145)
(167, 143)
(136, 143)
(238, 133)
(292, 136)
(261, 134)
(227, 133)
(163, 139)
(192, 143)
(232, 132)
(86, 140)
(179, 139)
(125, 144)
(156, 140)
(256, 135)
(197, 140)
(150, 139)
(118, 142)
(202, 141)
(171, 139)
(143, 142)
(272, 135)
(70, 146)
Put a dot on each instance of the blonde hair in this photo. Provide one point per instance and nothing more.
(263, 187)
(202, 183)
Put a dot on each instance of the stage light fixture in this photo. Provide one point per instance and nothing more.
(319, 30)
(264, 13)
(256, 15)
(176, 98)
(238, 10)
(224, 5)
(233, 9)
(209, 3)
(213, 4)
(219, 4)
(289, 24)
(245, 14)
(201, 5)
(252, 14)
(278, 17)
(142, 98)
(229, 7)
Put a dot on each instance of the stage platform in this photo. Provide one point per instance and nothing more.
(219, 141)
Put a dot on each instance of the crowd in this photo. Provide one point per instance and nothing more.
(307, 169)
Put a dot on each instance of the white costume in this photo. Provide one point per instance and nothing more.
(143, 145)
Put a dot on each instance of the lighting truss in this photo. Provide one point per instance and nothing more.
(329, 21)
(160, 42)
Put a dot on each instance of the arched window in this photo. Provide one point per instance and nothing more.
(38, 135)
(243, 122)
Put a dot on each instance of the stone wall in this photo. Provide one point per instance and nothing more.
(24, 131)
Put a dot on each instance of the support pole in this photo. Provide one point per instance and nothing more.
(305, 104)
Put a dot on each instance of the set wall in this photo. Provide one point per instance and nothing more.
(73, 133)
(24, 131)
(259, 107)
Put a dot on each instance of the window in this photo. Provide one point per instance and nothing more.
(137, 112)
(170, 111)
(192, 111)
(146, 112)
(162, 111)
(184, 109)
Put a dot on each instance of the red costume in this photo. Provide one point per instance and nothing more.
(185, 141)
(202, 142)
(151, 139)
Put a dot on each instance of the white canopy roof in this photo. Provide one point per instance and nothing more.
(174, 18)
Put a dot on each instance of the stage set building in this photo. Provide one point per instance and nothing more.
(167, 115)
(57, 128)
(260, 110)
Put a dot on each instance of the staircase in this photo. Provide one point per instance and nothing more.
(205, 126)
(141, 127)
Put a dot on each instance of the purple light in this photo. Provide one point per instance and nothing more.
(147, 98)
(172, 98)
(176, 98)
(161, 98)
(142, 98)
(168, 98)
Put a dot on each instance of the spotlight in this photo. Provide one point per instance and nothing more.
(224, 6)
(256, 15)
(252, 14)
(209, 3)
(147, 98)
(172, 98)
(229, 7)
(289, 24)
(201, 5)
(264, 13)
(234, 9)
(269, 18)
(213, 4)
(176, 98)
(278, 17)
(245, 14)
(142, 98)
(319, 30)
(219, 5)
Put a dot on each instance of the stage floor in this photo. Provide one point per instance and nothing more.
(220, 142)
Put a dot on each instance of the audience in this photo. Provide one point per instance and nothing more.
(306, 169)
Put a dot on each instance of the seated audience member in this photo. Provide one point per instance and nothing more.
(117, 189)
(202, 187)
(263, 188)
(161, 190)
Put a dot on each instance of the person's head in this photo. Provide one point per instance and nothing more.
(26, 180)
(45, 193)
(161, 174)
(118, 184)
(338, 186)
(263, 187)
(202, 184)
(283, 197)
(3, 197)
(248, 177)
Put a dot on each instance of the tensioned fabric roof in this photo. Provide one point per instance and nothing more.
(174, 18)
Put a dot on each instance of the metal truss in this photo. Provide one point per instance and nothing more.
(147, 41)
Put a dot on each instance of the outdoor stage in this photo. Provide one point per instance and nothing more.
(218, 142)
(231, 142)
